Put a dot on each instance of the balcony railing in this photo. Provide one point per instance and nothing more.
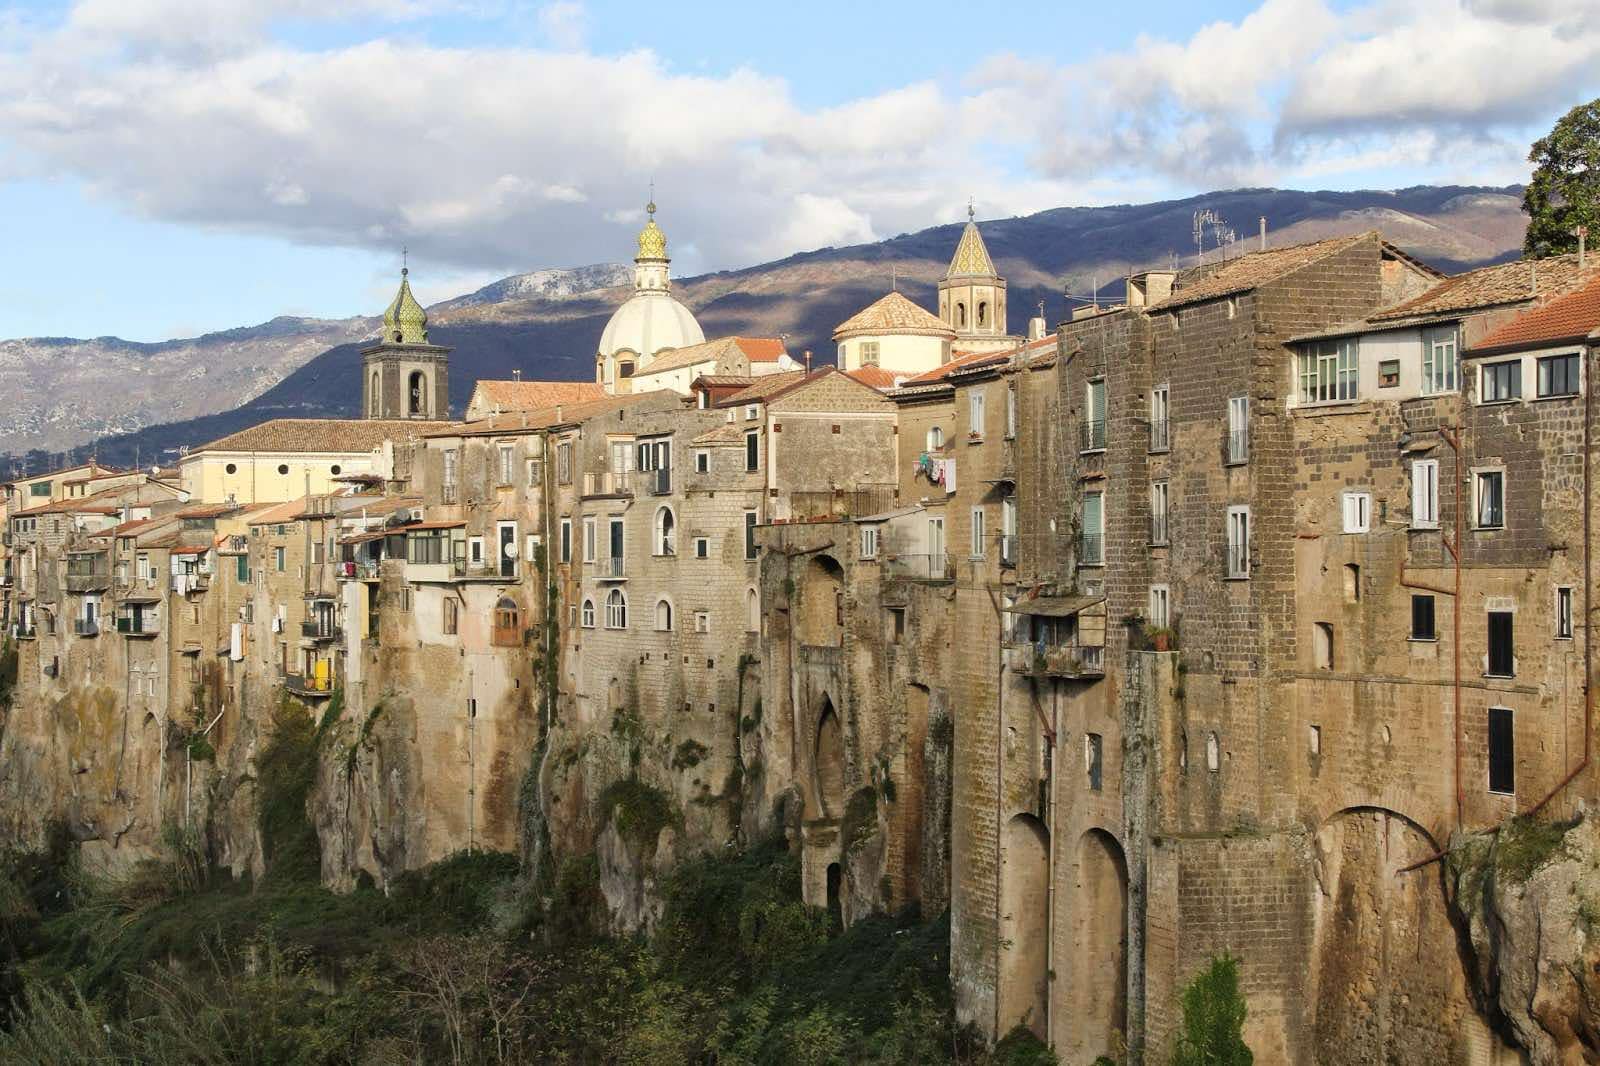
(130, 626)
(1158, 527)
(308, 685)
(183, 584)
(1160, 435)
(1091, 549)
(1239, 446)
(1071, 659)
(615, 566)
(1094, 434)
(362, 570)
(319, 631)
(1008, 549)
(25, 632)
(448, 493)
(608, 483)
(935, 567)
(86, 627)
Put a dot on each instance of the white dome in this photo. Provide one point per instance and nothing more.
(648, 323)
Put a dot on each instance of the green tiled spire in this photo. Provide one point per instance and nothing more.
(405, 322)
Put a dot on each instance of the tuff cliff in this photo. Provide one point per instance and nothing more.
(1526, 900)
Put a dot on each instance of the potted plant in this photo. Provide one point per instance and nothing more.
(1160, 638)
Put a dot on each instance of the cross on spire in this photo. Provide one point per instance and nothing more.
(405, 261)
(894, 277)
(650, 208)
(972, 213)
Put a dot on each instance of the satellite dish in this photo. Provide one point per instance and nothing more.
(511, 549)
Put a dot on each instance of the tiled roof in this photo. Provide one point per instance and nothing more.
(530, 421)
(970, 361)
(1492, 286)
(321, 435)
(1566, 318)
(755, 349)
(727, 433)
(280, 513)
(1251, 270)
(532, 395)
(723, 381)
(893, 313)
(972, 255)
(764, 387)
(209, 510)
(94, 468)
(875, 377)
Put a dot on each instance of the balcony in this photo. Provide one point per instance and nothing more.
(1160, 435)
(309, 685)
(184, 584)
(138, 626)
(1094, 435)
(609, 483)
(366, 570)
(934, 567)
(320, 632)
(660, 482)
(1070, 660)
(86, 627)
(612, 569)
(23, 632)
(1091, 549)
(87, 574)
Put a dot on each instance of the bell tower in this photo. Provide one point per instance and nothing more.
(403, 376)
(972, 296)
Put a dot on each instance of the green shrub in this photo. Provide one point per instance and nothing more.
(286, 769)
(1213, 1018)
(1020, 1047)
(638, 812)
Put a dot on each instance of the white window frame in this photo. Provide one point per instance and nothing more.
(1093, 440)
(586, 617)
(702, 621)
(508, 462)
(1238, 430)
(1160, 606)
(977, 533)
(664, 542)
(935, 438)
(1355, 509)
(1425, 494)
(752, 455)
(1562, 626)
(616, 609)
(1236, 543)
(752, 412)
(590, 532)
(1161, 418)
(869, 353)
(1011, 411)
(1478, 478)
(702, 460)
(975, 413)
(705, 543)
(1160, 512)
(869, 542)
(1328, 372)
(1441, 361)
(475, 551)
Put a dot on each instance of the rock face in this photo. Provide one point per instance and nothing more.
(1527, 900)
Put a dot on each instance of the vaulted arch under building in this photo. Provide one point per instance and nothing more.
(1024, 924)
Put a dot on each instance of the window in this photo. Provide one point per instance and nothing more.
(621, 456)
(702, 621)
(241, 569)
(1091, 542)
(1092, 759)
(702, 548)
(566, 540)
(283, 468)
(1011, 411)
(452, 614)
(506, 463)
(1502, 661)
(1238, 542)
(588, 614)
(1357, 512)
(869, 542)
(663, 616)
(1160, 606)
(749, 534)
(1160, 428)
(1502, 752)
(533, 473)
(1322, 645)
(752, 412)
(1213, 753)
(39, 488)
(1490, 489)
(935, 438)
(1094, 416)
(588, 539)
(1423, 624)
(1500, 382)
(448, 480)
(617, 544)
(897, 624)
(702, 461)
(752, 451)
(1238, 429)
(564, 462)
(869, 353)
(1439, 361)
(666, 536)
(625, 368)
(279, 559)
(977, 532)
(1352, 582)
(1558, 375)
(975, 413)
(1314, 740)
(474, 551)
(1563, 626)
(1008, 531)
(616, 610)
(1425, 494)
(1158, 512)
(1329, 372)
(1389, 374)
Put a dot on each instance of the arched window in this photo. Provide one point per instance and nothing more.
(507, 631)
(752, 611)
(663, 616)
(616, 610)
(961, 315)
(419, 393)
(666, 539)
(935, 438)
(1213, 753)
(587, 617)
(983, 312)
(373, 403)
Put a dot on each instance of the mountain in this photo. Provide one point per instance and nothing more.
(546, 323)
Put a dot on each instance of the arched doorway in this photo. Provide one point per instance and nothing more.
(827, 789)
(1387, 982)
(1098, 991)
(1024, 925)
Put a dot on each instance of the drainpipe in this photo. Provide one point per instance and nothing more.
(1588, 642)
(999, 794)
(1050, 878)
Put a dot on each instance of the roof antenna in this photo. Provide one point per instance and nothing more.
(894, 278)
(405, 261)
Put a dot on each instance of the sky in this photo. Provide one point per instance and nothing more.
(169, 167)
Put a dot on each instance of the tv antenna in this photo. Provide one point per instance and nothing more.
(1221, 233)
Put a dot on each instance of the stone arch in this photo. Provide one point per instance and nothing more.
(1024, 925)
(912, 789)
(1098, 992)
(828, 764)
(417, 394)
(983, 313)
(664, 533)
(752, 610)
(819, 617)
(961, 315)
(664, 615)
(1386, 982)
(374, 398)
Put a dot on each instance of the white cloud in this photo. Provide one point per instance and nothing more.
(510, 157)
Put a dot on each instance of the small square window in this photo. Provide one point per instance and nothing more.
(1389, 374)
(702, 461)
(702, 548)
(1357, 512)
(702, 621)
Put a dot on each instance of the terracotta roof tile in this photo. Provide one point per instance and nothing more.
(765, 386)
(754, 349)
(966, 362)
(1492, 286)
(532, 395)
(893, 313)
(1251, 270)
(875, 377)
(279, 513)
(532, 421)
(320, 435)
(1566, 318)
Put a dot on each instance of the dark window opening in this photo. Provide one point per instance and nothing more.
(1502, 658)
(1502, 752)
(1423, 626)
(1092, 760)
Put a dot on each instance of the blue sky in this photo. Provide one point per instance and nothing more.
(174, 166)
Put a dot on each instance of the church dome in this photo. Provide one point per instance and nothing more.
(650, 322)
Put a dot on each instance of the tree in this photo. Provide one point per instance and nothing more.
(1213, 1019)
(1564, 192)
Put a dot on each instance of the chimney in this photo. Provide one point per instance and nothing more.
(1263, 221)
(516, 375)
(1036, 328)
(808, 360)
(558, 414)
